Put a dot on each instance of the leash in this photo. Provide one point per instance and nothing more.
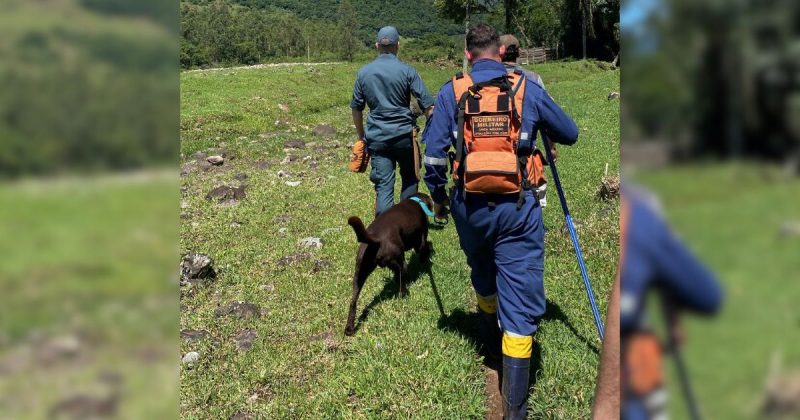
(574, 236)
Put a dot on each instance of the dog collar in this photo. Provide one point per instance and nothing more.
(424, 206)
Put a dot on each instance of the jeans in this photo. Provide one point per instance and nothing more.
(384, 162)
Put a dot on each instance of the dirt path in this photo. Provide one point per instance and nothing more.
(494, 399)
(262, 66)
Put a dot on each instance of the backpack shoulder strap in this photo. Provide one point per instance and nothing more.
(461, 85)
(461, 82)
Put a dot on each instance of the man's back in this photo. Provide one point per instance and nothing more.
(385, 85)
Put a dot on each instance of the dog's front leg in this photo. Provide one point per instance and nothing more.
(400, 270)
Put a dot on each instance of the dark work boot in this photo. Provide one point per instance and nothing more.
(515, 387)
(490, 337)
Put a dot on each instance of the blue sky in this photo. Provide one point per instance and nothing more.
(633, 14)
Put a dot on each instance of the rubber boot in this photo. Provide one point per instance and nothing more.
(490, 336)
(515, 387)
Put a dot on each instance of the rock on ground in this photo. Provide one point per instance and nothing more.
(324, 130)
(240, 309)
(244, 340)
(191, 358)
(609, 188)
(216, 160)
(294, 144)
(196, 266)
(193, 335)
(311, 242)
(225, 193)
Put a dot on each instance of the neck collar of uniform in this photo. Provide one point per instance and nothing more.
(487, 64)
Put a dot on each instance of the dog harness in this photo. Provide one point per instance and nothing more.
(424, 206)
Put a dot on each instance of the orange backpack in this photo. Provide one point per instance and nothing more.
(489, 123)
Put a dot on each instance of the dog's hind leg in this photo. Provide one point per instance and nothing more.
(365, 265)
(400, 270)
(424, 250)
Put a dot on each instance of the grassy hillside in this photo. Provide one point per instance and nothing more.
(84, 90)
(411, 357)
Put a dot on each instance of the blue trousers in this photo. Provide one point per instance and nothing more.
(385, 160)
(505, 250)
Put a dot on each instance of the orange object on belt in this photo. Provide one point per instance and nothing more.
(359, 159)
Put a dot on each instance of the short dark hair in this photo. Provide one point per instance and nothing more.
(482, 38)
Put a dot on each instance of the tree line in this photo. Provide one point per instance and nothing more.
(226, 32)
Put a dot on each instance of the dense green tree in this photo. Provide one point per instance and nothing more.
(347, 20)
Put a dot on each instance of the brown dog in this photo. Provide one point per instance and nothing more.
(384, 243)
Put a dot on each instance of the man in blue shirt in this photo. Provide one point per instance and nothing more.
(503, 239)
(653, 259)
(386, 86)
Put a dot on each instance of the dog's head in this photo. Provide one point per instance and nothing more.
(425, 199)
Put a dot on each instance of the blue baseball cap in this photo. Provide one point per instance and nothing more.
(388, 36)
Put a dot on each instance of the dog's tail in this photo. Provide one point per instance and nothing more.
(361, 232)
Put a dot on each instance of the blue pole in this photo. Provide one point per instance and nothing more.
(574, 236)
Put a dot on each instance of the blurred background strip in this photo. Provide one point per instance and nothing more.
(711, 127)
(88, 208)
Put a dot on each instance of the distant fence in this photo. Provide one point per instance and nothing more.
(537, 55)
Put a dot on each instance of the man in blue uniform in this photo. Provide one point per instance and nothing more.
(653, 259)
(503, 239)
(386, 86)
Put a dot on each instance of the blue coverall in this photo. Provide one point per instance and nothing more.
(386, 85)
(653, 257)
(504, 245)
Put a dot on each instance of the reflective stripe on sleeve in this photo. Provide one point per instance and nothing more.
(435, 161)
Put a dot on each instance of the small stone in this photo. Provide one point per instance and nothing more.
(789, 229)
(311, 242)
(288, 159)
(196, 266)
(282, 174)
(324, 130)
(225, 193)
(282, 231)
(613, 95)
(320, 265)
(294, 144)
(244, 340)
(240, 309)
(291, 259)
(216, 160)
(243, 415)
(293, 183)
(193, 335)
(609, 188)
(191, 358)
(187, 169)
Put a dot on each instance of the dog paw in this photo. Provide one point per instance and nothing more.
(349, 331)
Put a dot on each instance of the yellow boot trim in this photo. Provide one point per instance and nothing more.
(516, 346)
(487, 304)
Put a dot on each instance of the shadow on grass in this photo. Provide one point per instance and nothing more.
(467, 325)
(391, 288)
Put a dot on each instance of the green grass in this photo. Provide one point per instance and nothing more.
(730, 215)
(410, 357)
(91, 258)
